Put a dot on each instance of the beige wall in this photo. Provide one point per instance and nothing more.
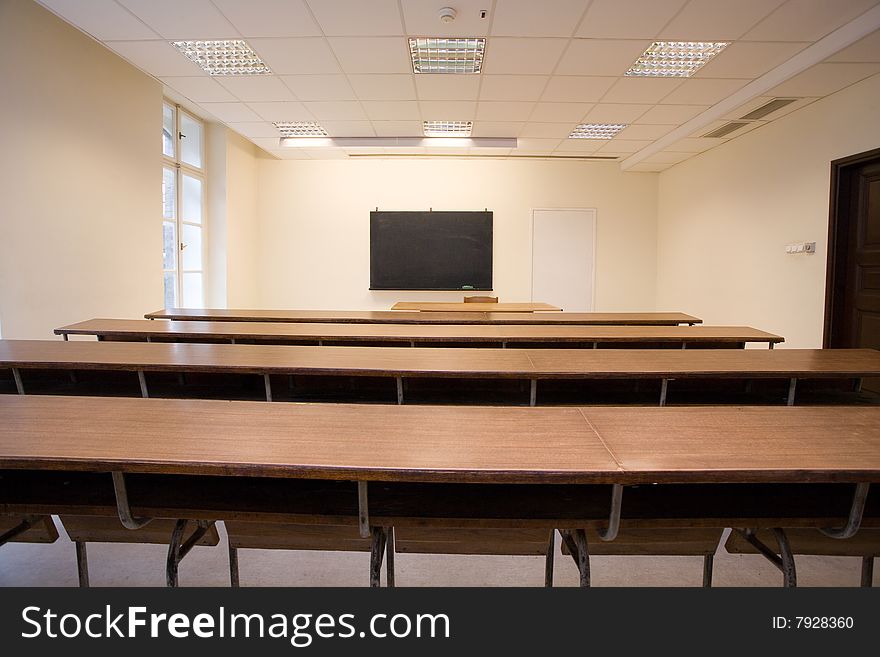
(313, 237)
(79, 177)
(726, 216)
(243, 230)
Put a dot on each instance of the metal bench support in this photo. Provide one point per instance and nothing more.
(610, 532)
(123, 509)
(178, 548)
(784, 561)
(856, 510)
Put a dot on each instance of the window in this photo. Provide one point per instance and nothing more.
(183, 208)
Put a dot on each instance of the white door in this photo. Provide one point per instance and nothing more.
(563, 257)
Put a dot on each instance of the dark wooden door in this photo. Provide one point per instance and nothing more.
(853, 308)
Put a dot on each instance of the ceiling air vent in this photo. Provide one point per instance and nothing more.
(768, 108)
(726, 129)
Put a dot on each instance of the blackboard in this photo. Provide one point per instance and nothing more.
(431, 250)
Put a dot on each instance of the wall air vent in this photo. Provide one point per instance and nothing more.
(768, 108)
(726, 129)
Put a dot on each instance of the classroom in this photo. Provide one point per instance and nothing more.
(493, 293)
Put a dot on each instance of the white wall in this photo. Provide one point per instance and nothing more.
(726, 216)
(313, 236)
(243, 229)
(80, 176)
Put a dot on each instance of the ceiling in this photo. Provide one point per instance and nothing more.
(549, 65)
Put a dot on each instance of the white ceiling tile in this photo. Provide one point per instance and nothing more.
(510, 111)
(807, 20)
(522, 56)
(547, 130)
(639, 131)
(489, 152)
(103, 19)
(255, 129)
(199, 88)
(383, 87)
(358, 17)
(285, 111)
(229, 112)
(559, 112)
(372, 54)
(391, 110)
(256, 88)
(326, 153)
(270, 144)
(319, 87)
(269, 18)
(576, 88)
(580, 145)
(447, 87)
(642, 167)
(398, 128)
(527, 18)
(749, 59)
(421, 18)
(695, 144)
(640, 90)
(703, 91)
(448, 110)
(624, 145)
(600, 57)
(336, 110)
(677, 114)
(512, 87)
(292, 154)
(156, 57)
(497, 128)
(824, 79)
(183, 19)
(864, 50)
(627, 19)
(349, 128)
(536, 145)
(711, 20)
(615, 113)
(299, 55)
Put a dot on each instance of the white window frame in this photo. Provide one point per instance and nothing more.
(200, 173)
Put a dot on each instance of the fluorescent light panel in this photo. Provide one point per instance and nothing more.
(675, 59)
(448, 128)
(442, 55)
(228, 57)
(596, 130)
(300, 129)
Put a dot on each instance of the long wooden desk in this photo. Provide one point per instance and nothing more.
(478, 307)
(405, 363)
(423, 335)
(404, 317)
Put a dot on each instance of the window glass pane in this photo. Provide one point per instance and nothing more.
(170, 289)
(168, 199)
(168, 130)
(169, 245)
(193, 293)
(192, 199)
(192, 254)
(190, 141)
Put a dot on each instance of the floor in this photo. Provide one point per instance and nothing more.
(144, 565)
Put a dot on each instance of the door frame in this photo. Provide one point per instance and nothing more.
(532, 250)
(837, 219)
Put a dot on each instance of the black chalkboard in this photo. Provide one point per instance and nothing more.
(430, 250)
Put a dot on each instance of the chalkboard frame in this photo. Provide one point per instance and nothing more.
(479, 237)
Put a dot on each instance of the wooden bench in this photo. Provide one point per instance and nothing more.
(550, 336)
(407, 317)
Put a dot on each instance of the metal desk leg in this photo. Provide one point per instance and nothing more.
(399, 380)
(267, 383)
(234, 581)
(363, 510)
(549, 558)
(178, 548)
(792, 389)
(389, 557)
(708, 563)
(82, 564)
(784, 561)
(533, 392)
(664, 386)
(123, 508)
(142, 380)
(19, 386)
(867, 571)
(610, 533)
(377, 551)
(576, 542)
(854, 520)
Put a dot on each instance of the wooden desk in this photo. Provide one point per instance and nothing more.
(404, 317)
(428, 363)
(463, 445)
(416, 334)
(439, 306)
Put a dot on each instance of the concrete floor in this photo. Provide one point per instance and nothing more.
(144, 565)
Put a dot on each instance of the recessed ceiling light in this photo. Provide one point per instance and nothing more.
(229, 57)
(596, 130)
(675, 59)
(300, 129)
(440, 55)
(448, 128)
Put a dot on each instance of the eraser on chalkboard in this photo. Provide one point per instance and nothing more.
(467, 287)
